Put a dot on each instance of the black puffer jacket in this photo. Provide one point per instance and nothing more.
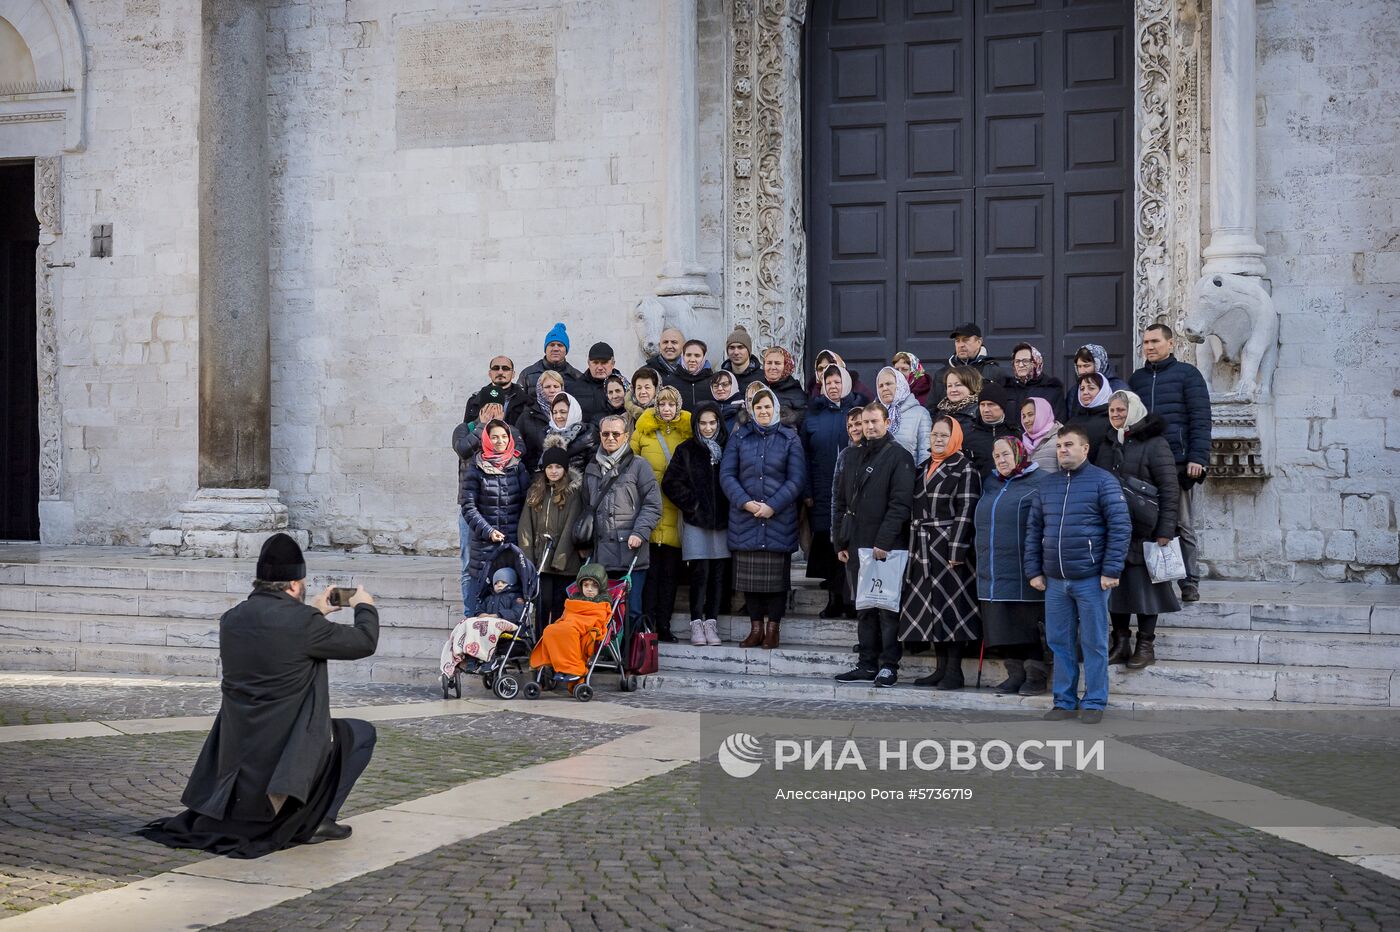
(1145, 454)
(694, 389)
(492, 501)
(978, 441)
(1095, 423)
(691, 482)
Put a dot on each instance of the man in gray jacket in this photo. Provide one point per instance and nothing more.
(620, 490)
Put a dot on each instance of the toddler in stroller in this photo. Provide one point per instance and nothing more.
(585, 639)
(500, 633)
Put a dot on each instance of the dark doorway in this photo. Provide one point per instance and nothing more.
(969, 160)
(19, 376)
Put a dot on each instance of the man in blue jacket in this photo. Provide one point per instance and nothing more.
(1076, 542)
(1178, 393)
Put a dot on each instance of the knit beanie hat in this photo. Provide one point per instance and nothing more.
(995, 393)
(281, 560)
(740, 335)
(507, 575)
(558, 334)
(555, 454)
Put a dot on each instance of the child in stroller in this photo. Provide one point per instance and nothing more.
(500, 633)
(586, 638)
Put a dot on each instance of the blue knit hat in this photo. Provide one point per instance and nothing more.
(558, 334)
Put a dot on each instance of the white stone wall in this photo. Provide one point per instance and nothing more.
(1329, 217)
(126, 325)
(398, 273)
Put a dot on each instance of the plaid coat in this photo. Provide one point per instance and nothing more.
(940, 601)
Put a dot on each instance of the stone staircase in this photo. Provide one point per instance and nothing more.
(122, 610)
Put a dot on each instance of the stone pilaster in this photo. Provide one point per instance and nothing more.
(1234, 243)
(234, 508)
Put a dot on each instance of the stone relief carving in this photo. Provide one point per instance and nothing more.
(48, 208)
(1168, 118)
(1235, 322)
(651, 315)
(766, 274)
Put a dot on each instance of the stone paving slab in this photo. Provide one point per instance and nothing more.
(69, 808)
(646, 856)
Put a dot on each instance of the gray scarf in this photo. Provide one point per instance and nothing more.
(610, 462)
(711, 444)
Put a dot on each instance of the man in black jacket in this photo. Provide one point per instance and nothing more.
(667, 359)
(873, 503)
(276, 768)
(591, 389)
(968, 351)
(500, 390)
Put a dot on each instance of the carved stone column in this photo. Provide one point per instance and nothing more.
(1234, 243)
(681, 273)
(233, 510)
(766, 241)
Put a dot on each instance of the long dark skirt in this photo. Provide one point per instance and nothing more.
(293, 825)
(1137, 594)
(822, 562)
(1007, 623)
(762, 571)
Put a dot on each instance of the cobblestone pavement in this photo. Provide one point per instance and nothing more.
(46, 703)
(647, 856)
(69, 807)
(1350, 772)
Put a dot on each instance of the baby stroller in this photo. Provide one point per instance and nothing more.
(608, 656)
(507, 663)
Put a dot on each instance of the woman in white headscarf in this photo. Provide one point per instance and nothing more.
(567, 429)
(1094, 392)
(1137, 452)
(909, 421)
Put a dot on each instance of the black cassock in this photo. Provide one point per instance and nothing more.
(270, 767)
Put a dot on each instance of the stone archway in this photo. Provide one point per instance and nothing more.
(765, 237)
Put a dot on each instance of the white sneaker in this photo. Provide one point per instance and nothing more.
(697, 633)
(712, 637)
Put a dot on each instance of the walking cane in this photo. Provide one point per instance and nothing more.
(981, 652)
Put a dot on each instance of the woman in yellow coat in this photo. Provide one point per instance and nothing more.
(659, 431)
(566, 645)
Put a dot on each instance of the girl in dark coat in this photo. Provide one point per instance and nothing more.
(692, 483)
(494, 495)
(940, 588)
(824, 436)
(1093, 393)
(763, 475)
(1013, 613)
(1137, 447)
(552, 505)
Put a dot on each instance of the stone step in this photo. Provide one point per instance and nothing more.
(1176, 678)
(819, 689)
(170, 603)
(58, 656)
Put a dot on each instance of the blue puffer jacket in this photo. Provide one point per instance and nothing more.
(1003, 513)
(492, 501)
(763, 464)
(1079, 526)
(1178, 393)
(823, 438)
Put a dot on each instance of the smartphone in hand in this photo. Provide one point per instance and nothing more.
(340, 595)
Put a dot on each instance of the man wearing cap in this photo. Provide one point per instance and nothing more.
(590, 389)
(738, 347)
(968, 351)
(556, 348)
(276, 768)
(667, 359)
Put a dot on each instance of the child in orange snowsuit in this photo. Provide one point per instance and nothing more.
(566, 645)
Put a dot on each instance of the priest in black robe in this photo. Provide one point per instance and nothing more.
(276, 768)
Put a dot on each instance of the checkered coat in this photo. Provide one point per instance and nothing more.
(940, 601)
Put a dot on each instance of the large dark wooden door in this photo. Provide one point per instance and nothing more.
(19, 387)
(969, 160)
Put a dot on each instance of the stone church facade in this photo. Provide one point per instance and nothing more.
(277, 242)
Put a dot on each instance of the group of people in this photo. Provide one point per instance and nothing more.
(1005, 487)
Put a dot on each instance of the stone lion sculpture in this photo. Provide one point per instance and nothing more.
(653, 314)
(1235, 321)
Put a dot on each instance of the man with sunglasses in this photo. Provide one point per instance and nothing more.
(500, 390)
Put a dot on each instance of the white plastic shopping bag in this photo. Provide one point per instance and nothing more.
(1164, 564)
(880, 581)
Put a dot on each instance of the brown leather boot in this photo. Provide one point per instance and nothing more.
(755, 637)
(770, 639)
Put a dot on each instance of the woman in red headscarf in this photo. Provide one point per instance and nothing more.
(493, 495)
(940, 588)
(1013, 614)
